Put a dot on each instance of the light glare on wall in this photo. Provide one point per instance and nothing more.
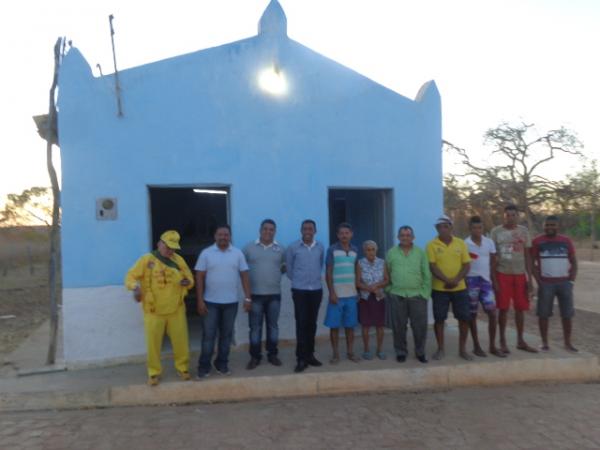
(273, 81)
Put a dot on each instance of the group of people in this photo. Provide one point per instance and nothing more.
(373, 292)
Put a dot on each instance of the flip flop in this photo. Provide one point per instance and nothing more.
(465, 356)
(527, 348)
(480, 353)
(498, 353)
(353, 357)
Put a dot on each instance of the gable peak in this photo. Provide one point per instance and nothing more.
(273, 20)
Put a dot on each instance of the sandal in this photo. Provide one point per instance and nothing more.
(353, 357)
(334, 360)
(367, 355)
(479, 352)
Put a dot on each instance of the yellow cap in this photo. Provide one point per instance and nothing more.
(171, 239)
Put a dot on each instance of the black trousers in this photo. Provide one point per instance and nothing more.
(306, 310)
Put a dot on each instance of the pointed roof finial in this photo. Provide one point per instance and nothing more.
(273, 20)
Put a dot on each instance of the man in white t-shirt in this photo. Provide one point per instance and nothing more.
(219, 270)
(481, 284)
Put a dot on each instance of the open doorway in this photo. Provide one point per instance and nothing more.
(369, 211)
(194, 212)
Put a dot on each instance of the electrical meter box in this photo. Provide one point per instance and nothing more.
(106, 208)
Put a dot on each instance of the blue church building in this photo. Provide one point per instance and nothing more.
(259, 128)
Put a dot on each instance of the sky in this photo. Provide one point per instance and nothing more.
(493, 60)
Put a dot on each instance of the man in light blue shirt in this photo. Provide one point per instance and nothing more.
(219, 269)
(304, 263)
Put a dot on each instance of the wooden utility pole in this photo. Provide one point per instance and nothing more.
(54, 265)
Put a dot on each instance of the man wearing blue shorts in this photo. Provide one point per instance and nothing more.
(481, 284)
(341, 282)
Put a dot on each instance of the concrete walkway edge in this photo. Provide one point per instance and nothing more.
(223, 389)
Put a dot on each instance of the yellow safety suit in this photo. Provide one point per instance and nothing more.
(163, 306)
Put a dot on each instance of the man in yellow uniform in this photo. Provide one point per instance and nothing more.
(160, 280)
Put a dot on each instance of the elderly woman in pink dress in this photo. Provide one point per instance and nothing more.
(371, 277)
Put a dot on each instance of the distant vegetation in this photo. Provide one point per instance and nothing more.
(515, 172)
(31, 207)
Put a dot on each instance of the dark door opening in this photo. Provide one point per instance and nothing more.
(194, 212)
(369, 211)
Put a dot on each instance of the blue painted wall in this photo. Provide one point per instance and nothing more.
(201, 119)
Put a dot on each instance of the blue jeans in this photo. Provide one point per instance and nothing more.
(266, 306)
(221, 319)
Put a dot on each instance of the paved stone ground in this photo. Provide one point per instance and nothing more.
(523, 417)
(586, 329)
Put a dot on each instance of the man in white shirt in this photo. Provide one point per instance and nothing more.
(481, 284)
(219, 270)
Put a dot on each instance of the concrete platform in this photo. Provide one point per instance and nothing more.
(124, 385)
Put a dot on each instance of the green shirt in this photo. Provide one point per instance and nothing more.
(409, 274)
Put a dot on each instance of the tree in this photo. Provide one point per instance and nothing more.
(30, 207)
(580, 193)
(517, 175)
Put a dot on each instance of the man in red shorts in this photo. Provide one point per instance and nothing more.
(513, 273)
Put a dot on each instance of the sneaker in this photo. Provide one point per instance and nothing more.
(202, 374)
(275, 360)
(423, 359)
(252, 364)
(382, 355)
(153, 381)
(184, 376)
(223, 370)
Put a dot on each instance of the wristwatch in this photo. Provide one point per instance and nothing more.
(248, 300)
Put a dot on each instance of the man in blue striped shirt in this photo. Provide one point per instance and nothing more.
(304, 263)
(341, 282)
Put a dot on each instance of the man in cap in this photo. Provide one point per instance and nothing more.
(449, 262)
(160, 280)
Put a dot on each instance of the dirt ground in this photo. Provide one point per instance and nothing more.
(23, 284)
(24, 292)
